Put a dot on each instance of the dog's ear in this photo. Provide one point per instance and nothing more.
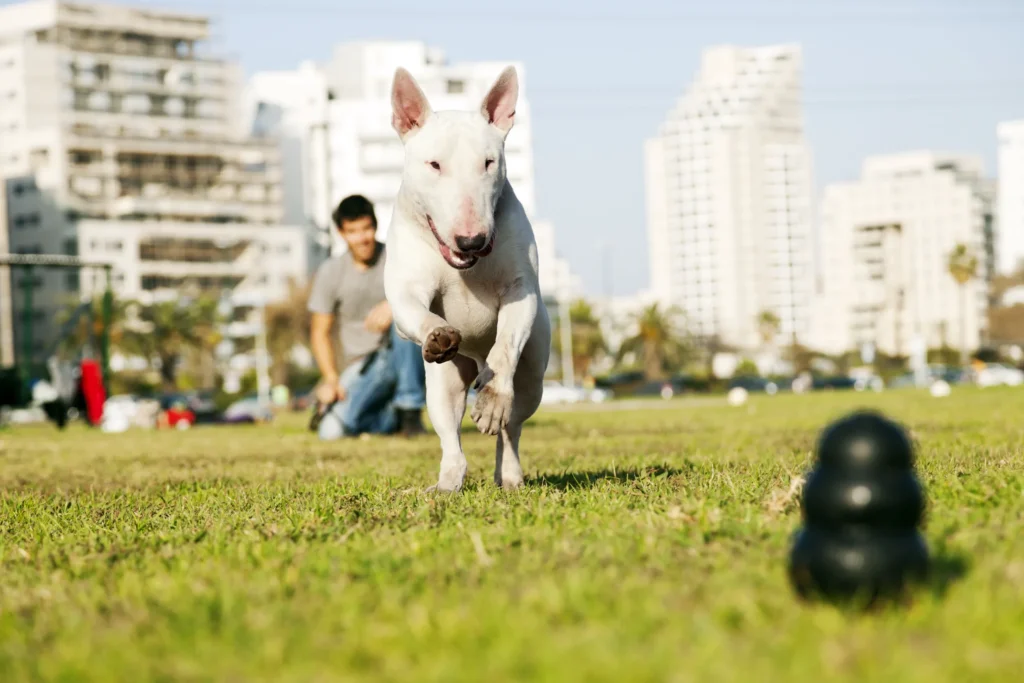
(499, 106)
(409, 106)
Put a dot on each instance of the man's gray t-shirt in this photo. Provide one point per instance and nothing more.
(341, 287)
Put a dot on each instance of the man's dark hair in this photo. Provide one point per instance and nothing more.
(352, 208)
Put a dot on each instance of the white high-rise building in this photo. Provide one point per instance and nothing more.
(120, 139)
(556, 277)
(728, 179)
(339, 116)
(291, 107)
(1010, 242)
(6, 302)
(886, 243)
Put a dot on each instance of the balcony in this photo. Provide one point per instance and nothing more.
(127, 208)
(90, 137)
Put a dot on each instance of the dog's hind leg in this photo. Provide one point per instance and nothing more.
(447, 384)
(508, 473)
(529, 386)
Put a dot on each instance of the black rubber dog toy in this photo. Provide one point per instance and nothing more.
(862, 506)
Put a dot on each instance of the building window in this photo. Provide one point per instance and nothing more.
(39, 158)
(456, 87)
(30, 220)
(72, 280)
(99, 101)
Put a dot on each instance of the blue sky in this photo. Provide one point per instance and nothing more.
(878, 77)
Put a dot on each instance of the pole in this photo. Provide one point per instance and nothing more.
(262, 365)
(26, 323)
(108, 314)
(262, 359)
(606, 270)
(7, 354)
(565, 326)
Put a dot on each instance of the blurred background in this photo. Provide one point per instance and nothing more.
(786, 196)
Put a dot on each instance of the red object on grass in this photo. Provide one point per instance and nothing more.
(180, 417)
(92, 390)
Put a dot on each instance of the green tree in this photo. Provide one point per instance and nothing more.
(287, 322)
(962, 265)
(768, 325)
(167, 331)
(588, 343)
(84, 324)
(207, 331)
(660, 341)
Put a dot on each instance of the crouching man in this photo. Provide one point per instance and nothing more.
(380, 388)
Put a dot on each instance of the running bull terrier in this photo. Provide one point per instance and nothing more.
(461, 273)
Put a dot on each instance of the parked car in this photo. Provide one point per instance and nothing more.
(753, 383)
(247, 411)
(999, 374)
(200, 404)
(556, 392)
(672, 387)
(835, 382)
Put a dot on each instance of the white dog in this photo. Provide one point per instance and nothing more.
(461, 273)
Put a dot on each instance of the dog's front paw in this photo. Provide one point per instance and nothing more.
(450, 479)
(493, 408)
(441, 345)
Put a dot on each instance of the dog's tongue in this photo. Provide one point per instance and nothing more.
(455, 259)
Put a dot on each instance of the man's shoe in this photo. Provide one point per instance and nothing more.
(410, 423)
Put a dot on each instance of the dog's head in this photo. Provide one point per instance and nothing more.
(455, 164)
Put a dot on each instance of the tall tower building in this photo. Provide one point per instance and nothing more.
(1010, 242)
(728, 181)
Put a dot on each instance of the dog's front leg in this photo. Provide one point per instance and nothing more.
(410, 308)
(516, 313)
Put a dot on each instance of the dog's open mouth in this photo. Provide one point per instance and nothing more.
(457, 259)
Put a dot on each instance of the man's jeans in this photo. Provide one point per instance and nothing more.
(392, 381)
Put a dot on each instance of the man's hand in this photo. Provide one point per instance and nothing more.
(379, 318)
(329, 391)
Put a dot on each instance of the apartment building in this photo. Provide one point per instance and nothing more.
(1010, 238)
(886, 243)
(6, 302)
(290, 106)
(120, 140)
(728, 184)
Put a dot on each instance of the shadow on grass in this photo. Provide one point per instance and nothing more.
(947, 567)
(566, 481)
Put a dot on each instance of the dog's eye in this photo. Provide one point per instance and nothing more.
(434, 165)
(487, 164)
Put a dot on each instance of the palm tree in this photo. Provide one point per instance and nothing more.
(588, 342)
(659, 341)
(287, 322)
(768, 324)
(83, 324)
(962, 266)
(168, 330)
(207, 334)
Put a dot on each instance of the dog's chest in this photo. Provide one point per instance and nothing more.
(472, 310)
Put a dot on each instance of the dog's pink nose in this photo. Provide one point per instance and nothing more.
(468, 245)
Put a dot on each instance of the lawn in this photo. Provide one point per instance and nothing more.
(647, 545)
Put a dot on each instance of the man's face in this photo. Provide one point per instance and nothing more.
(360, 234)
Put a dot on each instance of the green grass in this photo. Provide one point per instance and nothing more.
(646, 546)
